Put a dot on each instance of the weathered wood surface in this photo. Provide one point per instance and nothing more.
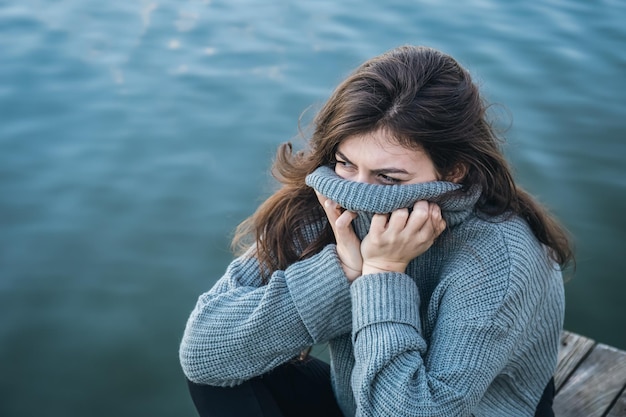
(619, 409)
(574, 348)
(590, 379)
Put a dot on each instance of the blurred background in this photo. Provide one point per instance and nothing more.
(135, 135)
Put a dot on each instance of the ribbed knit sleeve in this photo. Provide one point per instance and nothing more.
(241, 329)
(399, 373)
(385, 298)
(493, 322)
(321, 295)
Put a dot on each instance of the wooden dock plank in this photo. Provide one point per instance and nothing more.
(593, 386)
(619, 408)
(573, 349)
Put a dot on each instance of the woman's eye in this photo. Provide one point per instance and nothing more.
(388, 180)
(343, 163)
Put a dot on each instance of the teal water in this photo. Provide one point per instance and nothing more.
(134, 136)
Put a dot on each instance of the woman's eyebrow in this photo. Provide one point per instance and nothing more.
(342, 156)
(390, 170)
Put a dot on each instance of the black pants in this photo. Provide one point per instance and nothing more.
(298, 389)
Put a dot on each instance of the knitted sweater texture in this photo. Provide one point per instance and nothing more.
(471, 328)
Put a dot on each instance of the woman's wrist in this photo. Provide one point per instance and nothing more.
(381, 267)
(351, 273)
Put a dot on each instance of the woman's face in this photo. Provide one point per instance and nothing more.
(375, 158)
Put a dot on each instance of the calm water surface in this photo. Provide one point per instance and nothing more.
(135, 135)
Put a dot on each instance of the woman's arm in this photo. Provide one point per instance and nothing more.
(494, 318)
(241, 329)
(397, 372)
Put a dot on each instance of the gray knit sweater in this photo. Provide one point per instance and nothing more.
(471, 328)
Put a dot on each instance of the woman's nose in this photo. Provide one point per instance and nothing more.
(364, 177)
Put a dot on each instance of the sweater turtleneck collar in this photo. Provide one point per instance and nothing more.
(368, 199)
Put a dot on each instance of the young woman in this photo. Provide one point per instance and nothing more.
(400, 238)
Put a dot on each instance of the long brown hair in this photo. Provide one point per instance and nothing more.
(423, 98)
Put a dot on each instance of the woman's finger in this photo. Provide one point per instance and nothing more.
(439, 224)
(434, 224)
(419, 216)
(330, 207)
(398, 220)
(379, 223)
(345, 219)
(321, 198)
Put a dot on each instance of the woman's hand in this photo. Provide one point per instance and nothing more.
(348, 244)
(397, 238)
